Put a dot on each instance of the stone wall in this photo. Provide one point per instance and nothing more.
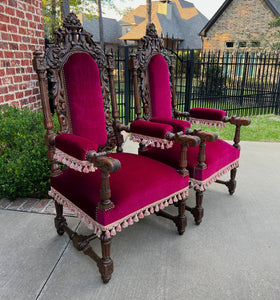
(21, 33)
(242, 23)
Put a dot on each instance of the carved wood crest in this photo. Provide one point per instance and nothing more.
(151, 44)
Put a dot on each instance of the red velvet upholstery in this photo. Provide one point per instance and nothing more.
(150, 129)
(159, 87)
(178, 125)
(85, 97)
(74, 145)
(140, 182)
(218, 154)
(207, 113)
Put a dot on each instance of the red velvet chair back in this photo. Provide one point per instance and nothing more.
(160, 93)
(85, 98)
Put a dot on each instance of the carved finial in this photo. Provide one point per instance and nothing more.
(72, 21)
(151, 30)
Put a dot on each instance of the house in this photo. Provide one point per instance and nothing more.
(112, 30)
(239, 25)
(178, 19)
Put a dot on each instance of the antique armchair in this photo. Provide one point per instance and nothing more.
(108, 191)
(153, 67)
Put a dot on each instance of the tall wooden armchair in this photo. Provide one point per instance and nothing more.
(153, 67)
(108, 191)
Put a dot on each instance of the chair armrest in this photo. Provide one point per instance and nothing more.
(71, 150)
(183, 139)
(207, 116)
(238, 121)
(178, 114)
(204, 136)
(177, 125)
(106, 165)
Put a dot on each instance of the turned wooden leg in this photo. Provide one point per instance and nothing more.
(198, 210)
(105, 264)
(59, 220)
(232, 182)
(181, 219)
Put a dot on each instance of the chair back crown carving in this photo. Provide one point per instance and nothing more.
(150, 47)
(71, 40)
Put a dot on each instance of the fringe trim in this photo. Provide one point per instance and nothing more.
(151, 141)
(202, 185)
(209, 123)
(113, 228)
(74, 163)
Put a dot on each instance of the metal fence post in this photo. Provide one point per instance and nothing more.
(277, 104)
(189, 79)
(126, 85)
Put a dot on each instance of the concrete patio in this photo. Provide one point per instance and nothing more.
(233, 254)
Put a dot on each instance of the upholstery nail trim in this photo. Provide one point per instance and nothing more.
(209, 123)
(113, 228)
(202, 185)
(74, 163)
(151, 141)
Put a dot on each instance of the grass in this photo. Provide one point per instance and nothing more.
(264, 128)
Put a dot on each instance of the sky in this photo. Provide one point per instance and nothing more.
(206, 7)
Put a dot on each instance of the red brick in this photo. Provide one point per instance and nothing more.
(22, 6)
(3, 27)
(15, 103)
(13, 46)
(4, 203)
(20, 70)
(50, 209)
(4, 18)
(37, 19)
(10, 71)
(23, 47)
(3, 90)
(9, 54)
(27, 93)
(20, 14)
(5, 46)
(12, 3)
(10, 11)
(24, 23)
(16, 38)
(16, 204)
(32, 25)
(6, 36)
(12, 29)
(26, 77)
(1, 99)
(1, 8)
(28, 16)
(19, 95)
(9, 97)
(15, 21)
(18, 78)
(13, 87)
(22, 30)
(41, 205)
(31, 9)
(29, 204)
(18, 55)
(2, 72)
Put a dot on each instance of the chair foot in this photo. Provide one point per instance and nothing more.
(232, 182)
(105, 264)
(198, 210)
(181, 219)
(59, 220)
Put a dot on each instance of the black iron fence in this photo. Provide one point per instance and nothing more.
(241, 83)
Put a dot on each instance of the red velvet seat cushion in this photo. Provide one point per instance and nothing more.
(178, 125)
(218, 154)
(139, 183)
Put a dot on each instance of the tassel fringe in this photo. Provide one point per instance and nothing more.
(151, 141)
(112, 229)
(74, 163)
(202, 185)
(209, 123)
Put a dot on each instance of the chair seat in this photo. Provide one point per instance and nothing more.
(220, 158)
(139, 188)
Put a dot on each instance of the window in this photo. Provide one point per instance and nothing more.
(229, 44)
(241, 44)
(255, 44)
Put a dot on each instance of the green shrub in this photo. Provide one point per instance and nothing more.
(23, 161)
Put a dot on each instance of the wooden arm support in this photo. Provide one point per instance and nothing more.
(178, 113)
(106, 165)
(238, 122)
(204, 136)
(184, 141)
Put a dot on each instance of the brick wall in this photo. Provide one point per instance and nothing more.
(242, 21)
(21, 33)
